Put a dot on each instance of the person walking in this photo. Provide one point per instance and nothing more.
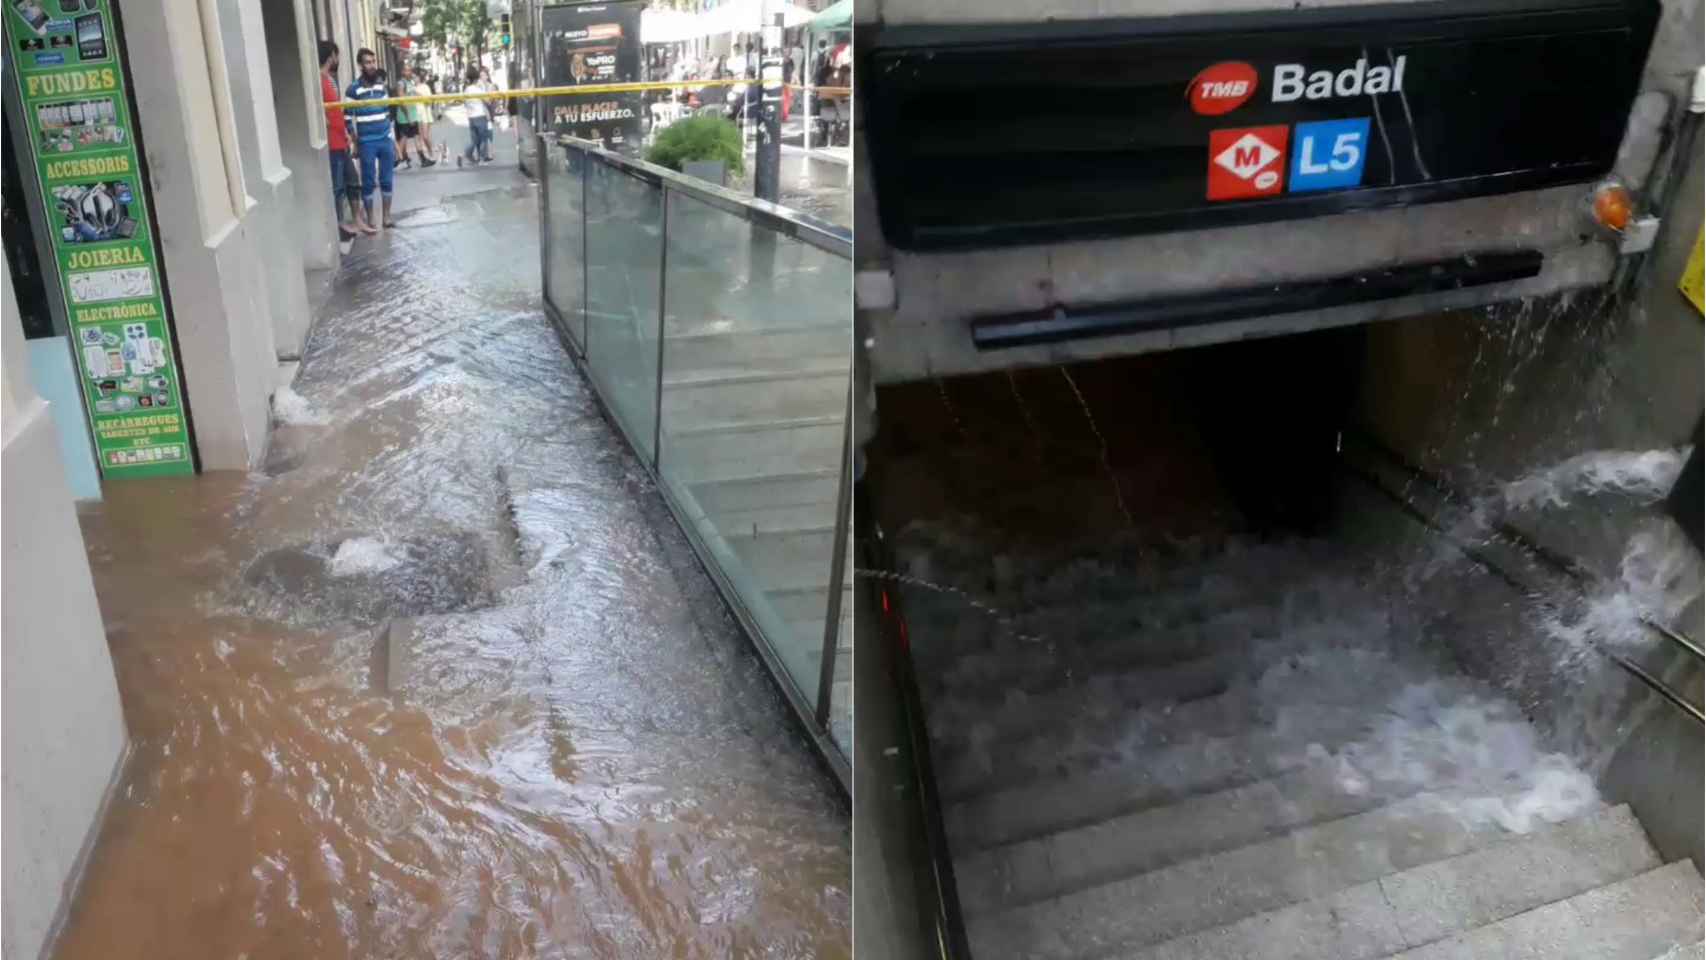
(373, 136)
(479, 120)
(337, 143)
(411, 123)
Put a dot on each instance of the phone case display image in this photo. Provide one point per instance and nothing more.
(71, 83)
(33, 16)
(91, 38)
(64, 127)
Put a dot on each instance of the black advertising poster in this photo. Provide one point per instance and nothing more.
(593, 43)
(980, 138)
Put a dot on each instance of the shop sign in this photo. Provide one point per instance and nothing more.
(82, 138)
(989, 133)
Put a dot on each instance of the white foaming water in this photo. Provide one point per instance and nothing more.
(1329, 669)
(1469, 751)
(1659, 578)
(1647, 475)
(292, 408)
(359, 555)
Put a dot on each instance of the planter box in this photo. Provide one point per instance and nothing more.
(715, 171)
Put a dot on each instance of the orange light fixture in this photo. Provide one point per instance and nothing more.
(1613, 206)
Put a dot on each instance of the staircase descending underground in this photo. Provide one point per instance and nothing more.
(753, 429)
(1211, 832)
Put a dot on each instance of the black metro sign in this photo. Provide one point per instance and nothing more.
(988, 135)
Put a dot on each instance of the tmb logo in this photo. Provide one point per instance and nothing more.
(1222, 88)
(1246, 162)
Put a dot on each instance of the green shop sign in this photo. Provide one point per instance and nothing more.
(71, 84)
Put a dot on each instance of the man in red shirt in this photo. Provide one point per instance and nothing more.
(337, 142)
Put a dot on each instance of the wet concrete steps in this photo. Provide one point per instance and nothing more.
(1050, 662)
(780, 528)
(1131, 702)
(982, 757)
(1063, 863)
(1174, 788)
(1051, 801)
(1635, 919)
(1054, 657)
(1353, 889)
(1474, 899)
(707, 348)
(791, 560)
(753, 433)
(754, 492)
(721, 451)
(804, 609)
(1223, 887)
(808, 388)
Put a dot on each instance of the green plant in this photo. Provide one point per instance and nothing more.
(472, 24)
(696, 139)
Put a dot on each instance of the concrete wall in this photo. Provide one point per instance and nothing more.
(209, 242)
(351, 24)
(925, 333)
(891, 896)
(63, 738)
(268, 181)
(293, 59)
(1485, 398)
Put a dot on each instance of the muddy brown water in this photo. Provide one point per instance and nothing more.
(528, 729)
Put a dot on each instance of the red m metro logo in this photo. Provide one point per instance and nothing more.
(1246, 162)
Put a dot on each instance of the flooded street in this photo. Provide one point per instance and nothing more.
(443, 679)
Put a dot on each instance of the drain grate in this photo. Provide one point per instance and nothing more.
(366, 580)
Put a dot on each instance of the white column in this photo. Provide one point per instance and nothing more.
(268, 181)
(293, 56)
(217, 287)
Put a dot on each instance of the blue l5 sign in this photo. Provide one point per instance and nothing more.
(1328, 154)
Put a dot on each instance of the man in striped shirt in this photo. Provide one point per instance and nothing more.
(378, 150)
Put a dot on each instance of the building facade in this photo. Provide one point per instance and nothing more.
(167, 215)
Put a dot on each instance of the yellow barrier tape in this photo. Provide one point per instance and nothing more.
(589, 89)
(1693, 284)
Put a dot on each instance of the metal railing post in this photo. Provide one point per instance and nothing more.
(837, 566)
(586, 252)
(663, 272)
(807, 93)
(544, 217)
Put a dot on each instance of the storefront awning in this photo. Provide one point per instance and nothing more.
(749, 16)
(837, 16)
(661, 25)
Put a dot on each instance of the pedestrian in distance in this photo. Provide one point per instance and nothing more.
(397, 123)
(498, 108)
(479, 120)
(822, 64)
(414, 123)
(373, 136)
(337, 143)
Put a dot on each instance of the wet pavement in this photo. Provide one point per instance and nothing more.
(809, 184)
(817, 184)
(443, 679)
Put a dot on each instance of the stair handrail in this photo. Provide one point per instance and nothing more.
(1559, 563)
(875, 554)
